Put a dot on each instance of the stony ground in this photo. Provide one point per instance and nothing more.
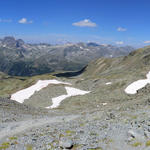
(118, 127)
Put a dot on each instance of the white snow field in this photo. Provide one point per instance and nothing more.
(21, 95)
(135, 86)
(70, 92)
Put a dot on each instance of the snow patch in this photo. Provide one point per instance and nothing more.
(21, 95)
(104, 104)
(70, 92)
(108, 83)
(135, 86)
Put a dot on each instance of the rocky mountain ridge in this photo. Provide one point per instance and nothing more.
(22, 59)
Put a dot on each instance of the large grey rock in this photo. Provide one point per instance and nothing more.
(65, 143)
(134, 134)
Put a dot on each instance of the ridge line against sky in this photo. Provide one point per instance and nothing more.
(120, 22)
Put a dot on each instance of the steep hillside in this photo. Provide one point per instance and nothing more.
(137, 62)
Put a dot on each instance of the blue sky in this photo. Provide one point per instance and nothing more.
(121, 22)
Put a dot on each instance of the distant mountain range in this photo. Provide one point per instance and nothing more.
(22, 59)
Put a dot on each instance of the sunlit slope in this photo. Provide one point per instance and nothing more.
(136, 63)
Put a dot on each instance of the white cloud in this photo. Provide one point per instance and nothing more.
(5, 20)
(147, 42)
(119, 42)
(120, 29)
(25, 21)
(85, 23)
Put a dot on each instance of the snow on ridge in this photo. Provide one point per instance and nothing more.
(21, 95)
(70, 92)
(135, 86)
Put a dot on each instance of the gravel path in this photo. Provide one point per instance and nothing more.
(9, 129)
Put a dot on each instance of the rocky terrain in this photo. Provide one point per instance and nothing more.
(103, 128)
(22, 59)
(107, 118)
